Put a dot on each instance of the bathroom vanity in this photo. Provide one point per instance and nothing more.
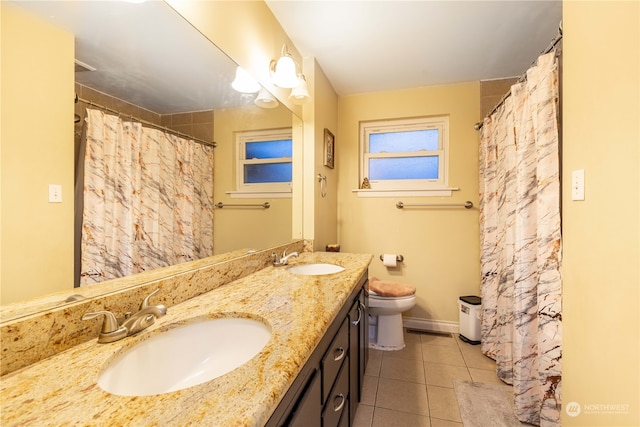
(310, 370)
(329, 386)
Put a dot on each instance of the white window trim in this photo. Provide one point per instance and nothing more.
(421, 187)
(273, 190)
(440, 192)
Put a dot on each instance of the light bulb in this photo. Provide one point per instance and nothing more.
(265, 100)
(284, 74)
(300, 94)
(244, 82)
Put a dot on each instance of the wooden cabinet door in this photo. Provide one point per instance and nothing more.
(308, 411)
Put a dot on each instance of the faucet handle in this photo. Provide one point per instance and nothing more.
(109, 324)
(111, 330)
(145, 301)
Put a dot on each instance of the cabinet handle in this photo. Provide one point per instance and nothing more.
(357, 321)
(339, 356)
(341, 404)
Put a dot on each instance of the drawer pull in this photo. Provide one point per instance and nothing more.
(357, 321)
(340, 405)
(337, 356)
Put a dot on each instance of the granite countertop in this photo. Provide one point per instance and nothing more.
(63, 389)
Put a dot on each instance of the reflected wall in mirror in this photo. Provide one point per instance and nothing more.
(187, 89)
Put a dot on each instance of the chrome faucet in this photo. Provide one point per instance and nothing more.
(112, 331)
(284, 259)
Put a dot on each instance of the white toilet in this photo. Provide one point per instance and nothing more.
(385, 320)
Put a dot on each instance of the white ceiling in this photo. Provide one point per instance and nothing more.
(369, 46)
(145, 53)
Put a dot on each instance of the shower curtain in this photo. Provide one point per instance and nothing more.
(521, 286)
(147, 199)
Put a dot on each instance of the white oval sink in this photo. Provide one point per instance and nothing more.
(318, 269)
(184, 357)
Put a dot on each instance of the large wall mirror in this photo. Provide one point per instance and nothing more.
(145, 61)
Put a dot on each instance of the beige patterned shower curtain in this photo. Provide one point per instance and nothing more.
(521, 244)
(147, 199)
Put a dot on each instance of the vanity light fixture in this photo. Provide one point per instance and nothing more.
(283, 71)
(300, 94)
(266, 100)
(244, 83)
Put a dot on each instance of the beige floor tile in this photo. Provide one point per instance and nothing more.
(364, 416)
(439, 339)
(411, 337)
(437, 422)
(390, 418)
(474, 358)
(442, 354)
(442, 375)
(373, 365)
(403, 369)
(486, 376)
(369, 390)
(402, 396)
(443, 403)
(412, 350)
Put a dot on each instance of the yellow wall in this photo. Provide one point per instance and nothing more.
(37, 150)
(601, 278)
(320, 212)
(235, 228)
(440, 246)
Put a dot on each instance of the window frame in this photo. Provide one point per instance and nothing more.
(265, 135)
(403, 125)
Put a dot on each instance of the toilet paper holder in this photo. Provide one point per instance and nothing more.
(399, 258)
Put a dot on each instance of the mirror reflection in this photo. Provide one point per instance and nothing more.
(167, 79)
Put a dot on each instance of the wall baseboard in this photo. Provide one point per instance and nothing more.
(431, 325)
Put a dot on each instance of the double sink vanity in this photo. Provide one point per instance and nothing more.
(280, 346)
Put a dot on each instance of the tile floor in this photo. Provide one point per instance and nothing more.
(413, 387)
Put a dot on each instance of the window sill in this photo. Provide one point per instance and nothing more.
(259, 194)
(440, 192)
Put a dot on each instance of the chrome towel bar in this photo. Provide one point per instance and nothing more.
(265, 205)
(466, 205)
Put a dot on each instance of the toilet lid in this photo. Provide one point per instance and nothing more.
(390, 289)
(376, 296)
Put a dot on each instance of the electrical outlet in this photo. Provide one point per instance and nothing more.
(55, 193)
(577, 185)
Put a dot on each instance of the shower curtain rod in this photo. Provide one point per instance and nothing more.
(147, 123)
(523, 77)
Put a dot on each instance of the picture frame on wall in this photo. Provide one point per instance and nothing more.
(329, 149)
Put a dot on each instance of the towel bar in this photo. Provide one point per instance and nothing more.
(265, 205)
(466, 205)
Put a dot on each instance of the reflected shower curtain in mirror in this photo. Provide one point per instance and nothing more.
(148, 199)
(520, 244)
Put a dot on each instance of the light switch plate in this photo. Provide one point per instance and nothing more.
(577, 184)
(55, 193)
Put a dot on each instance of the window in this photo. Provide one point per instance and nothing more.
(264, 161)
(405, 154)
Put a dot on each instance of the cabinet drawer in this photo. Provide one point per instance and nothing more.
(338, 402)
(333, 358)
